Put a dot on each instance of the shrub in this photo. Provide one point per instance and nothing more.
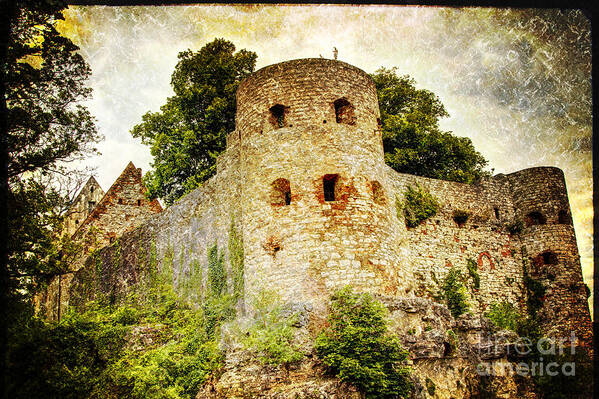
(504, 315)
(418, 205)
(272, 333)
(473, 272)
(430, 386)
(358, 348)
(454, 293)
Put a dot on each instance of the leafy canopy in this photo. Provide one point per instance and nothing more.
(190, 130)
(44, 79)
(358, 348)
(412, 140)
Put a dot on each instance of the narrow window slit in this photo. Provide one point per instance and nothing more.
(328, 186)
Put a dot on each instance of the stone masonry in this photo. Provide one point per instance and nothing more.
(304, 182)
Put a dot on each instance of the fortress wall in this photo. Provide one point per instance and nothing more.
(438, 244)
(177, 238)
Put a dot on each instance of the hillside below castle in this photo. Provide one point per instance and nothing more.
(304, 185)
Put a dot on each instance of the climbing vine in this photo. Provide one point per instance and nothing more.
(236, 261)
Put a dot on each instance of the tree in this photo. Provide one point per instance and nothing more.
(44, 79)
(358, 348)
(190, 130)
(412, 140)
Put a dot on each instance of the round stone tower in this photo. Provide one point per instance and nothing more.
(550, 251)
(314, 204)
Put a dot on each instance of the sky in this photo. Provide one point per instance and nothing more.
(516, 82)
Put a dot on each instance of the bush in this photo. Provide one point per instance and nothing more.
(454, 293)
(418, 205)
(473, 272)
(504, 316)
(358, 349)
(272, 333)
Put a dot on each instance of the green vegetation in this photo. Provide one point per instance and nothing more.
(418, 205)
(454, 293)
(271, 333)
(504, 316)
(412, 140)
(190, 130)
(101, 352)
(535, 291)
(430, 386)
(473, 272)
(236, 261)
(358, 348)
(454, 341)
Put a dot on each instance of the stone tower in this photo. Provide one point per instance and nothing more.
(84, 203)
(315, 213)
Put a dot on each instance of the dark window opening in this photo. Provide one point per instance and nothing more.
(281, 192)
(563, 217)
(328, 186)
(378, 194)
(446, 349)
(496, 213)
(277, 116)
(138, 202)
(91, 189)
(76, 221)
(120, 200)
(546, 258)
(460, 217)
(344, 112)
(534, 218)
(91, 205)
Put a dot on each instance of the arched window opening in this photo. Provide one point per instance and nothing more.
(344, 112)
(563, 217)
(281, 192)
(378, 194)
(329, 183)
(277, 115)
(534, 218)
(91, 189)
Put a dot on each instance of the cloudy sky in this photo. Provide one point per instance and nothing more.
(517, 82)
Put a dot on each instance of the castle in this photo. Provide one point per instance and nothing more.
(304, 183)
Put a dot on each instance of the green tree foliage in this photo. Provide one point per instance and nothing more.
(418, 205)
(190, 130)
(44, 79)
(455, 293)
(358, 348)
(412, 140)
